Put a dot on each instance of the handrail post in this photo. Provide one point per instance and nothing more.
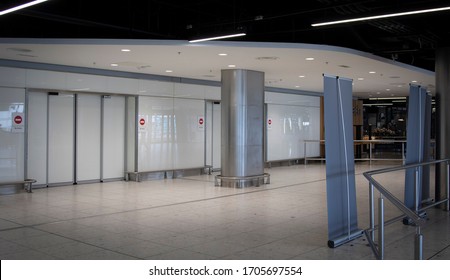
(381, 227)
(372, 213)
(416, 190)
(304, 152)
(403, 152)
(448, 187)
(418, 245)
(370, 152)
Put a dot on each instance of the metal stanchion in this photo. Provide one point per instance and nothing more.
(372, 213)
(418, 245)
(381, 227)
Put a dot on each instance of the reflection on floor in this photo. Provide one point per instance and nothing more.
(189, 218)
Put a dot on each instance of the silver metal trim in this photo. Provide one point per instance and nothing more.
(242, 182)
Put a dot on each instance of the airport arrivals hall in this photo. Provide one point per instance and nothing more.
(224, 130)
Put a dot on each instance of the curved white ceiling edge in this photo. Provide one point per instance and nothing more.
(285, 64)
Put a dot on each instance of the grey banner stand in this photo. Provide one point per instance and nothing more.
(417, 146)
(340, 165)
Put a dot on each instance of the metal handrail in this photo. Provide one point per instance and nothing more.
(363, 142)
(413, 215)
(369, 142)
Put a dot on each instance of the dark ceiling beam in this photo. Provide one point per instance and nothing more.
(88, 23)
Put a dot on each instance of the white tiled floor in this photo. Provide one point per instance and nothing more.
(189, 218)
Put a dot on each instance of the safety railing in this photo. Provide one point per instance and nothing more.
(413, 215)
(371, 144)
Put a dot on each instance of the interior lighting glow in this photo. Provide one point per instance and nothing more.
(114, 64)
(231, 65)
(309, 58)
(223, 54)
(126, 50)
(372, 72)
(169, 71)
(23, 6)
(218, 37)
(381, 16)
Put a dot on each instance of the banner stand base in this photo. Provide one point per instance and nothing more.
(344, 239)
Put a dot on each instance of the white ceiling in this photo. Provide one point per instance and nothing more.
(281, 63)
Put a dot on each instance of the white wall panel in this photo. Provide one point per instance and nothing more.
(291, 99)
(209, 133)
(11, 143)
(61, 138)
(113, 137)
(131, 133)
(189, 91)
(290, 125)
(122, 85)
(156, 136)
(313, 149)
(212, 93)
(84, 82)
(189, 144)
(12, 77)
(45, 79)
(37, 137)
(88, 137)
(156, 88)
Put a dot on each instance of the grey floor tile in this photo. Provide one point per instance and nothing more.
(181, 254)
(20, 233)
(27, 255)
(104, 255)
(69, 251)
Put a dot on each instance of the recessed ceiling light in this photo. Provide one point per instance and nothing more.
(301, 76)
(388, 89)
(309, 58)
(114, 64)
(414, 81)
(223, 54)
(360, 79)
(126, 50)
(297, 86)
(267, 58)
(231, 65)
(372, 72)
(169, 71)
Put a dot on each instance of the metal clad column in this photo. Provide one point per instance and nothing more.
(242, 128)
(340, 165)
(443, 117)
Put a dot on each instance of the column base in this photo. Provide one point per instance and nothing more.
(242, 182)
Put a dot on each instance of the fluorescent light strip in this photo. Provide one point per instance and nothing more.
(218, 37)
(381, 16)
(23, 6)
